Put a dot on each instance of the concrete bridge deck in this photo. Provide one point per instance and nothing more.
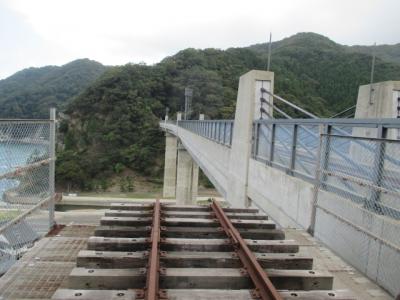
(47, 266)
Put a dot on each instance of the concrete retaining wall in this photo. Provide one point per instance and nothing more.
(287, 199)
(371, 256)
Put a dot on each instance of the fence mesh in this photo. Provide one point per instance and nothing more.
(358, 204)
(283, 142)
(307, 149)
(24, 186)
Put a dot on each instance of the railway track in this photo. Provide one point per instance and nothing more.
(155, 251)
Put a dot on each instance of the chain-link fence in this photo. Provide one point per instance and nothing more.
(26, 185)
(358, 204)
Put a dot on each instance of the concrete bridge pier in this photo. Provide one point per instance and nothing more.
(181, 173)
(171, 148)
(187, 178)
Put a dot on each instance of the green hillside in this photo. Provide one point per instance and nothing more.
(114, 122)
(31, 92)
(389, 53)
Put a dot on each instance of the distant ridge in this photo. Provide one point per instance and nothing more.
(29, 93)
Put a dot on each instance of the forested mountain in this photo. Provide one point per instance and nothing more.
(389, 53)
(29, 93)
(114, 122)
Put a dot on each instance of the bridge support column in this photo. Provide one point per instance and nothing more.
(249, 107)
(187, 178)
(169, 188)
(195, 182)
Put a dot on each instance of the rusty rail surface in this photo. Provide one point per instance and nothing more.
(264, 288)
(152, 291)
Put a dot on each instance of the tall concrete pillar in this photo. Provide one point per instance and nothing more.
(248, 107)
(184, 178)
(169, 188)
(379, 100)
(195, 175)
(195, 182)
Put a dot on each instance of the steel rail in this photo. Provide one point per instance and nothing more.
(152, 291)
(264, 288)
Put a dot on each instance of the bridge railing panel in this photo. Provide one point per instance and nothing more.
(293, 144)
(372, 180)
(219, 131)
(26, 185)
(306, 152)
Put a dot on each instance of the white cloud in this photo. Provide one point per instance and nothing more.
(120, 31)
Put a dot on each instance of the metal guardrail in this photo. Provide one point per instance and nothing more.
(293, 145)
(294, 142)
(220, 131)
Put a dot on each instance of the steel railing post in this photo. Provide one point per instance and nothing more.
(231, 134)
(224, 133)
(379, 159)
(293, 149)
(311, 229)
(272, 145)
(325, 151)
(52, 156)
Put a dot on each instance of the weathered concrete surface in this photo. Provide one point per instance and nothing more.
(195, 183)
(68, 294)
(179, 244)
(287, 199)
(191, 259)
(198, 294)
(189, 232)
(382, 104)
(226, 278)
(185, 178)
(375, 258)
(169, 187)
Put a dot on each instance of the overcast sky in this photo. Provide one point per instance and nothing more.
(44, 32)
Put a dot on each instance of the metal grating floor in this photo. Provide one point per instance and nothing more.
(46, 266)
